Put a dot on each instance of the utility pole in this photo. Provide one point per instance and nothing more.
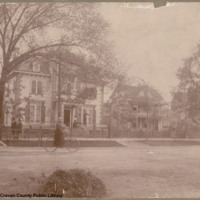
(147, 135)
(118, 104)
(59, 89)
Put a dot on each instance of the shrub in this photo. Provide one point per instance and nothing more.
(75, 183)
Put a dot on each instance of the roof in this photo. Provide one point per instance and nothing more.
(137, 93)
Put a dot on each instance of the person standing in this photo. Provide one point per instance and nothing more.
(75, 122)
(19, 128)
(59, 134)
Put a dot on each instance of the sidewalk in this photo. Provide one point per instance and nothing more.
(112, 139)
(97, 144)
(34, 145)
(23, 149)
(115, 139)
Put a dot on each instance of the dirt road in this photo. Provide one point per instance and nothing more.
(137, 170)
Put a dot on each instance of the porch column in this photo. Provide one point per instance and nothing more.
(81, 114)
(61, 111)
(136, 122)
(94, 121)
(160, 124)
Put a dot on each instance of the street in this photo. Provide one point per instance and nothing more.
(136, 170)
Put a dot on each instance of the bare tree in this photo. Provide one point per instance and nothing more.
(28, 30)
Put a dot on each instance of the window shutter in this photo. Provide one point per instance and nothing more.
(84, 116)
(27, 112)
(78, 113)
(42, 88)
(94, 116)
(43, 113)
(33, 87)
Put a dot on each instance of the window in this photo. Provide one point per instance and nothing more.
(36, 87)
(134, 108)
(33, 87)
(32, 113)
(69, 89)
(36, 67)
(38, 113)
(144, 123)
(78, 114)
(6, 118)
(90, 116)
(39, 87)
(35, 113)
(134, 123)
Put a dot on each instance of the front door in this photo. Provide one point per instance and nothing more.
(67, 117)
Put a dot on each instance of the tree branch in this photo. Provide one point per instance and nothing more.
(25, 29)
(33, 53)
(10, 45)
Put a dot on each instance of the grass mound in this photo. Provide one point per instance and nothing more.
(74, 183)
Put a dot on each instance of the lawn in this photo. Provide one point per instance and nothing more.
(139, 170)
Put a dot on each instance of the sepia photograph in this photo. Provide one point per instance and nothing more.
(99, 100)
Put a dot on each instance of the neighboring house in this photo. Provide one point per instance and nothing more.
(137, 108)
(32, 94)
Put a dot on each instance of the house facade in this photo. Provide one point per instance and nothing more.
(138, 108)
(31, 94)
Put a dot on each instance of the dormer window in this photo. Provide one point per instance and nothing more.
(36, 67)
(134, 108)
(69, 89)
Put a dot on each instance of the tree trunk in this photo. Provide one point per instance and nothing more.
(2, 88)
(59, 91)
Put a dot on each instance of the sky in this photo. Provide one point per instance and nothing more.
(153, 42)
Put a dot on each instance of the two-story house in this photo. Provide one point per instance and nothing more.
(138, 108)
(31, 93)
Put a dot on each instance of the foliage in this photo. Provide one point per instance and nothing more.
(187, 94)
(73, 33)
(78, 28)
(127, 102)
(187, 127)
(88, 93)
(75, 183)
(12, 104)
